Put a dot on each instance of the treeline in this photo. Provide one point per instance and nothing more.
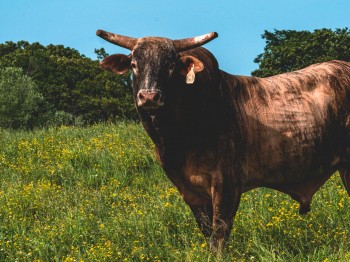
(54, 85)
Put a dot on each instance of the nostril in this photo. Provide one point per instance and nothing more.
(141, 97)
(156, 97)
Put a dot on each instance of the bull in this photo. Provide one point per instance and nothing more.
(219, 135)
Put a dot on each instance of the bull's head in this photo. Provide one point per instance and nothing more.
(154, 62)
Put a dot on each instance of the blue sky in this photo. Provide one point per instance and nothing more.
(239, 23)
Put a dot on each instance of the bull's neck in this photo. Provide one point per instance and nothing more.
(188, 123)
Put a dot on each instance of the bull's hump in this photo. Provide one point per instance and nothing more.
(316, 71)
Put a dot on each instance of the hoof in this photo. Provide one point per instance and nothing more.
(304, 209)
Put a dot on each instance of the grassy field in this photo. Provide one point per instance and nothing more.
(97, 194)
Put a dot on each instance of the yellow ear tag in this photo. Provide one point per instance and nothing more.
(190, 76)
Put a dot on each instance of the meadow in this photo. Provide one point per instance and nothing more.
(98, 194)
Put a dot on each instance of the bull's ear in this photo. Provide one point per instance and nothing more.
(189, 63)
(118, 64)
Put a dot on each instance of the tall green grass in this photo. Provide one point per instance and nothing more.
(97, 194)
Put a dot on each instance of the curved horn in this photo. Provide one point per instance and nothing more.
(120, 40)
(190, 43)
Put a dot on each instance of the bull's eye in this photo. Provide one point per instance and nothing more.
(171, 67)
(134, 66)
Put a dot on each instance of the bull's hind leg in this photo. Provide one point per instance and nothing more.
(345, 177)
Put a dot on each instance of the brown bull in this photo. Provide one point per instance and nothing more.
(218, 135)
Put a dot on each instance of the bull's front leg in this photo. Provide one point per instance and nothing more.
(225, 201)
(201, 207)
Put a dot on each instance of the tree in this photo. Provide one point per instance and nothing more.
(101, 53)
(289, 50)
(19, 99)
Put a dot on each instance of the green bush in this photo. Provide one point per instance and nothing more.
(72, 83)
(19, 99)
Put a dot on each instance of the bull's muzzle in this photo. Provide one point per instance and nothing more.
(150, 99)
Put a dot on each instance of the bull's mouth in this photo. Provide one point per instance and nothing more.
(149, 105)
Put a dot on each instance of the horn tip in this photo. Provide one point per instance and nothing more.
(215, 34)
(99, 32)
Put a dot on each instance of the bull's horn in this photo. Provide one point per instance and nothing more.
(120, 40)
(190, 43)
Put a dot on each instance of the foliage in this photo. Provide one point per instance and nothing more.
(19, 99)
(101, 53)
(288, 50)
(69, 82)
(97, 194)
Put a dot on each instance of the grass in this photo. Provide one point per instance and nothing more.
(97, 194)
